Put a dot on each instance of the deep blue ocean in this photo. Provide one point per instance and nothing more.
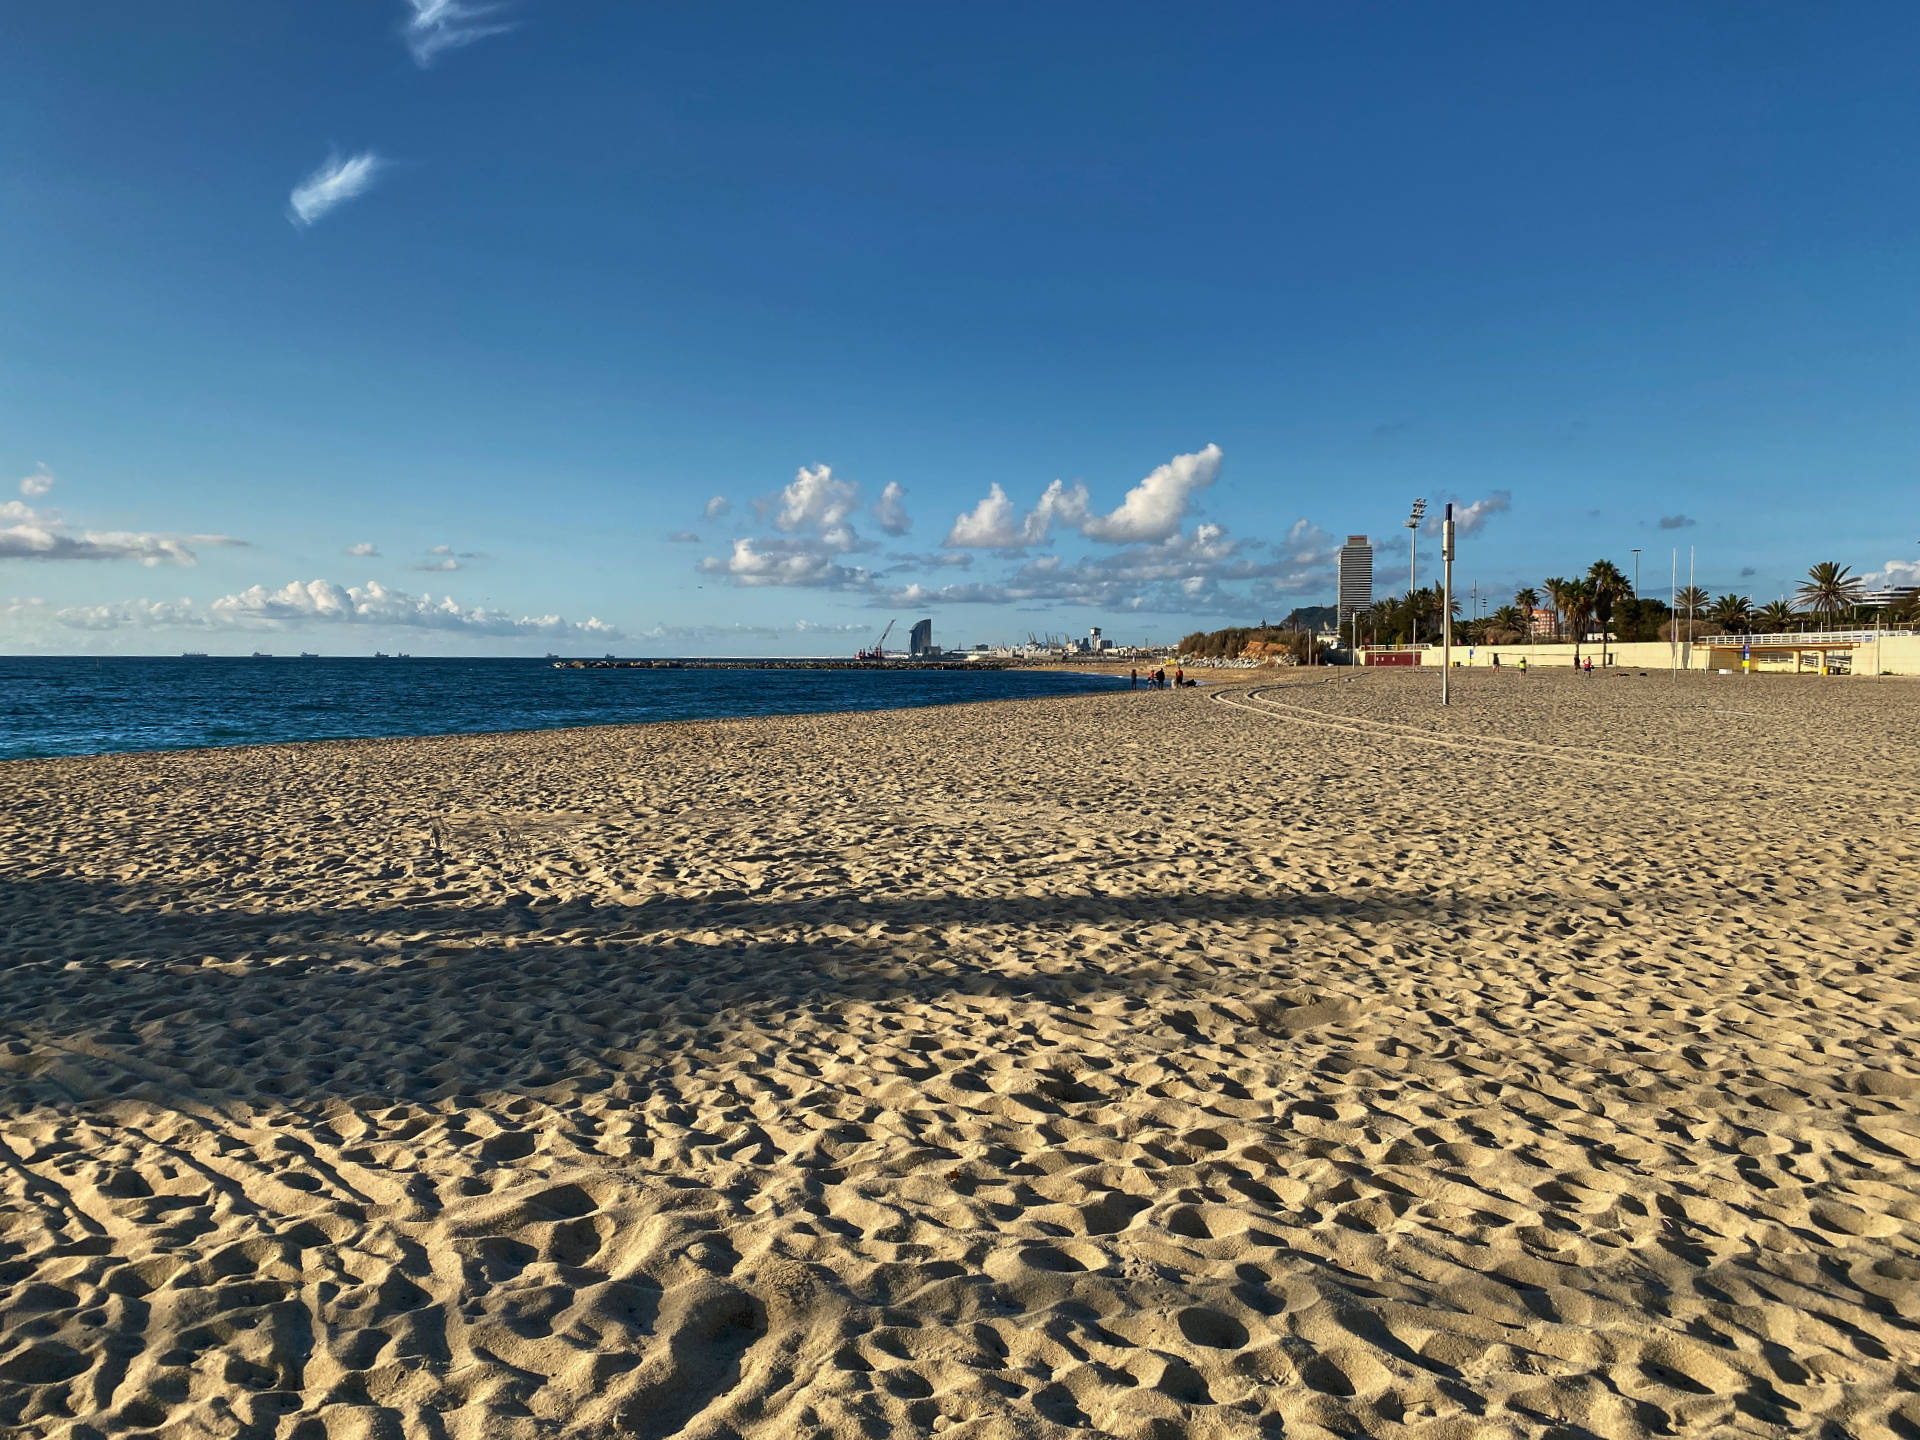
(79, 706)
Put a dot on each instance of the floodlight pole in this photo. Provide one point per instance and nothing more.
(1413, 565)
(1446, 608)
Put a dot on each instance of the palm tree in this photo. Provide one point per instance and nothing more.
(1775, 616)
(1506, 618)
(1556, 589)
(1527, 601)
(1691, 603)
(1609, 585)
(1830, 590)
(1577, 601)
(1731, 613)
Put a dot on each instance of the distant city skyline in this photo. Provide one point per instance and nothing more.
(490, 330)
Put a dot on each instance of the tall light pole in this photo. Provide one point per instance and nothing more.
(1413, 565)
(1636, 576)
(1446, 606)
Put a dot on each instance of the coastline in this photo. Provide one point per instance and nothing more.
(1001, 1068)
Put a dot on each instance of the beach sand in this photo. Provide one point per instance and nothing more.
(1292, 1061)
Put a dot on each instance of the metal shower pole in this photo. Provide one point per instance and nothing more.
(1446, 608)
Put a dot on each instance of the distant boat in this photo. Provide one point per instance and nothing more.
(381, 655)
(308, 655)
(193, 654)
(609, 654)
(552, 656)
(403, 655)
(261, 655)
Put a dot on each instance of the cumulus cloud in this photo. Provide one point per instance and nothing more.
(816, 500)
(890, 511)
(1676, 522)
(808, 563)
(29, 534)
(436, 26)
(37, 484)
(1892, 575)
(365, 550)
(990, 525)
(716, 507)
(324, 602)
(1155, 508)
(334, 183)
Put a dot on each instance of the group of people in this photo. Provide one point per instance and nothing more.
(1158, 680)
(1584, 664)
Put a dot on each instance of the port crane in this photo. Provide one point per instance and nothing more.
(879, 650)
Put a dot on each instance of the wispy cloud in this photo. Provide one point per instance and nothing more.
(333, 184)
(716, 507)
(436, 26)
(444, 557)
(1676, 522)
(29, 534)
(684, 537)
(37, 484)
(365, 550)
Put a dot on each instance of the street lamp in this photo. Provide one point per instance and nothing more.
(1413, 565)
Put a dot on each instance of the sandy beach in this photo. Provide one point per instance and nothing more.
(1269, 1059)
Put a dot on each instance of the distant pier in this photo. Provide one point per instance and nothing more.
(997, 663)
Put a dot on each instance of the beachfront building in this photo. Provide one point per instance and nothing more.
(1356, 575)
(920, 638)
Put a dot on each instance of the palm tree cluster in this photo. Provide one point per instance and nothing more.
(1832, 595)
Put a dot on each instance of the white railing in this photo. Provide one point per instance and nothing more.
(1803, 639)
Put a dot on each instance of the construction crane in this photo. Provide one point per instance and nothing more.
(879, 650)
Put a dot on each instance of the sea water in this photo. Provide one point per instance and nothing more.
(86, 706)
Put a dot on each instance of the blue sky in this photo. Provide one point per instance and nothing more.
(503, 298)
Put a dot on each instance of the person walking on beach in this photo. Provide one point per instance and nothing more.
(1133, 678)
(1179, 677)
(1589, 667)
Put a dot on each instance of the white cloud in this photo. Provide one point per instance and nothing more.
(1467, 519)
(37, 484)
(1059, 501)
(758, 563)
(1155, 507)
(716, 507)
(988, 526)
(890, 511)
(1153, 510)
(440, 25)
(816, 500)
(134, 614)
(29, 534)
(443, 558)
(334, 183)
(323, 602)
(1893, 574)
(365, 550)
